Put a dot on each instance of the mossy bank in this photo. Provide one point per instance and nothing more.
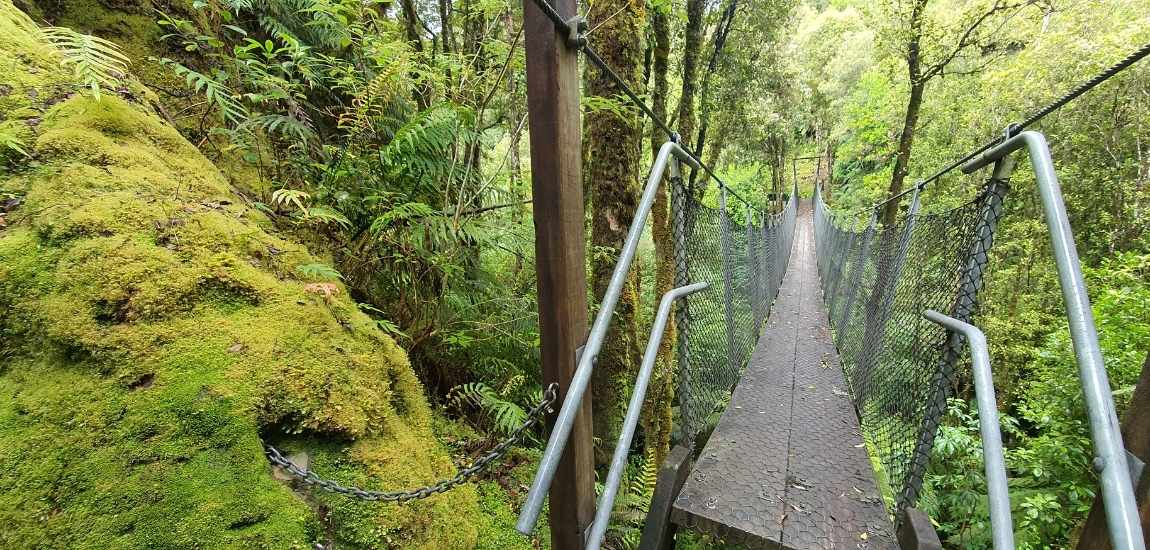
(155, 331)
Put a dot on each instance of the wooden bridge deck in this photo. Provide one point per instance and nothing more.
(786, 466)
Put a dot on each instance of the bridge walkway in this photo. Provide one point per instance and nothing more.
(786, 466)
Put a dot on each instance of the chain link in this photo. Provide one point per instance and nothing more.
(534, 416)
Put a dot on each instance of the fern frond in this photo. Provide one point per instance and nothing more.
(285, 125)
(319, 272)
(324, 214)
(506, 416)
(291, 197)
(95, 61)
(214, 91)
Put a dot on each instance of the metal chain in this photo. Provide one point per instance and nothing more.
(534, 416)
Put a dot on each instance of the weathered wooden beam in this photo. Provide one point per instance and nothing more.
(659, 531)
(915, 531)
(557, 189)
(1136, 438)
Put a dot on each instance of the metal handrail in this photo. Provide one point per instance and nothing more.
(994, 462)
(669, 157)
(634, 408)
(1117, 490)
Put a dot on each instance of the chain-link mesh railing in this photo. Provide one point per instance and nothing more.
(742, 253)
(877, 282)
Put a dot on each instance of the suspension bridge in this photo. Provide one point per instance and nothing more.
(825, 343)
(816, 349)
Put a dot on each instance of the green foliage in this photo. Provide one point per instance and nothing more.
(319, 272)
(95, 61)
(503, 415)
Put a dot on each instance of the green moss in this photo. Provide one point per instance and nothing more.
(155, 330)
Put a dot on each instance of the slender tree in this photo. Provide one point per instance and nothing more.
(612, 160)
(657, 411)
(929, 51)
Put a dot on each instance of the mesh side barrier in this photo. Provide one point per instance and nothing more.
(899, 367)
(718, 332)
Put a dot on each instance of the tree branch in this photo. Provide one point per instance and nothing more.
(965, 40)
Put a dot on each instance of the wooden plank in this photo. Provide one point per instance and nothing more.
(915, 532)
(557, 188)
(659, 531)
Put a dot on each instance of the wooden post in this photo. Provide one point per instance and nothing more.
(658, 530)
(557, 187)
(1136, 437)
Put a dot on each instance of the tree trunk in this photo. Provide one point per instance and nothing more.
(910, 119)
(448, 37)
(691, 44)
(1136, 437)
(720, 35)
(657, 417)
(613, 158)
(902, 159)
(411, 25)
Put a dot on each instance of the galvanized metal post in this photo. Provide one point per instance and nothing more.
(754, 276)
(994, 461)
(1110, 460)
(728, 292)
(855, 278)
(634, 409)
(839, 264)
(769, 268)
(963, 309)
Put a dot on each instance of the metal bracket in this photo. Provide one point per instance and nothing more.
(576, 27)
(1135, 465)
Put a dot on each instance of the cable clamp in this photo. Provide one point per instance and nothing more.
(576, 32)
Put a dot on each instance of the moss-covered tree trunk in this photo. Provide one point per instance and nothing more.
(657, 416)
(612, 170)
(692, 42)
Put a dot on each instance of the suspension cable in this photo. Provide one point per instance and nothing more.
(578, 40)
(1014, 129)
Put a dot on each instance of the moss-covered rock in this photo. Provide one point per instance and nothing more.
(154, 330)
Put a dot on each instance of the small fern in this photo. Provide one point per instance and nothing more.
(95, 61)
(505, 415)
(9, 139)
(292, 197)
(643, 484)
(319, 272)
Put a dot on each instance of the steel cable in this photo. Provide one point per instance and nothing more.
(1074, 93)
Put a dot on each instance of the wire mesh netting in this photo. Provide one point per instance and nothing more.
(877, 282)
(743, 255)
